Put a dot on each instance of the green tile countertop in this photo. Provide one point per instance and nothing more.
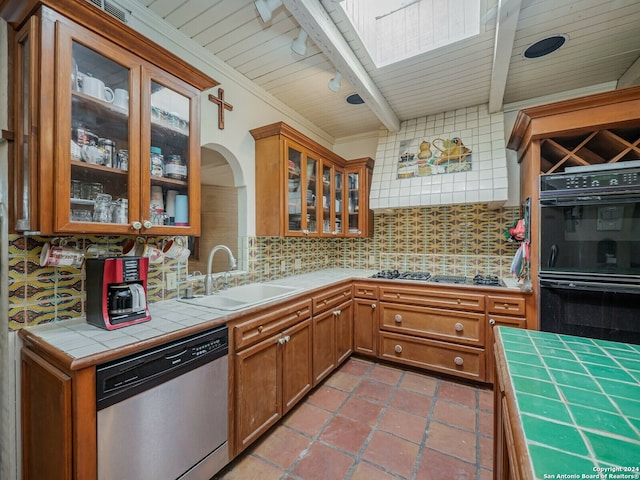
(578, 402)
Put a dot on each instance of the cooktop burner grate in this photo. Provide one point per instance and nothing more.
(424, 276)
(487, 280)
(449, 279)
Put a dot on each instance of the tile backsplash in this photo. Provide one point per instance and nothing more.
(460, 239)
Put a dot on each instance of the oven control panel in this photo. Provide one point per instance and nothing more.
(590, 182)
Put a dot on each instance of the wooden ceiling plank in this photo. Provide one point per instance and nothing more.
(508, 14)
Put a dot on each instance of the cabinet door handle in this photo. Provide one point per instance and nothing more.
(147, 224)
(458, 361)
(260, 328)
(345, 294)
(492, 321)
(506, 306)
(337, 312)
(136, 225)
(305, 232)
(459, 301)
(398, 348)
(459, 327)
(282, 340)
(373, 305)
(398, 318)
(287, 338)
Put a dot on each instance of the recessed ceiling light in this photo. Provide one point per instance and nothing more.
(545, 46)
(355, 99)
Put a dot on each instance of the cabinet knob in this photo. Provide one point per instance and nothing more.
(506, 306)
(337, 312)
(287, 338)
(398, 348)
(458, 301)
(359, 232)
(305, 232)
(459, 327)
(334, 233)
(492, 321)
(345, 294)
(458, 361)
(398, 318)
(281, 341)
(373, 305)
(260, 328)
(147, 224)
(136, 225)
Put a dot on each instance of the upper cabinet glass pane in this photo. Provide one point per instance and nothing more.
(169, 157)
(295, 190)
(312, 192)
(99, 138)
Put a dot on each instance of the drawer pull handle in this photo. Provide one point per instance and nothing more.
(506, 306)
(373, 305)
(398, 348)
(260, 328)
(459, 301)
(459, 327)
(458, 361)
(398, 318)
(492, 321)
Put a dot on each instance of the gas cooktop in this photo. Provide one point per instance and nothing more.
(484, 280)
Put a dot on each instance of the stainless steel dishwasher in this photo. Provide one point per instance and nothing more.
(162, 413)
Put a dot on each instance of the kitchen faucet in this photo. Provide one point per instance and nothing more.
(208, 280)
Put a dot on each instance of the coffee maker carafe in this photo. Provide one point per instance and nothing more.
(116, 291)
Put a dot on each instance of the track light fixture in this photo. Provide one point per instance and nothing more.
(334, 83)
(266, 7)
(299, 45)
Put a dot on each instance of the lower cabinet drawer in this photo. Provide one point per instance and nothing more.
(458, 360)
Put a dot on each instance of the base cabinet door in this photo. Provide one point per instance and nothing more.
(46, 414)
(324, 345)
(297, 374)
(257, 390)
(344, 332)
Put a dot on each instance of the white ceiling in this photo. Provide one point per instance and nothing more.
(603, 46)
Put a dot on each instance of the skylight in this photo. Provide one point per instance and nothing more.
(394, 30)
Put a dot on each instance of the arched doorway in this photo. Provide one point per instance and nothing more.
(223, 203)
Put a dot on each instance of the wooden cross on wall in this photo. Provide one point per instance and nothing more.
(222, 106)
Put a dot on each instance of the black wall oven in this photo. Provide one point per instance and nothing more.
(590, 253)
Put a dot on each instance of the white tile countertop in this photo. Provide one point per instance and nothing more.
(78, 340)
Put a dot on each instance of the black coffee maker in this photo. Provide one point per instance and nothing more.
(117, 291)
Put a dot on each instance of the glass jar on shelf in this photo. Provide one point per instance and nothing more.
(157, 162)
(175, 167)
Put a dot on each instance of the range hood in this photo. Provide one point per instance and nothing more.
(443, 159)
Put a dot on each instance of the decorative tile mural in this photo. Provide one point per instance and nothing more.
(419, 157)
(453, 239)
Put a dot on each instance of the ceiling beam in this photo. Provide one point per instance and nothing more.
(506, 24)
(631, 77)
(315, 20)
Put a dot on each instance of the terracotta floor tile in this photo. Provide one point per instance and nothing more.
(346, 434)
(385, 374)
(412, 402)
(364, 471)
(343, 381)
(458, 393)
(486, 400)
(361, 410)
(392, 453)
(485, 423)
(486, 474)
(419, 383)
(281, 447)
(355, 366)
(437, 466)
(327, 397)
(403, 424)
(307, 418)
(486, 452)
(374, 390)
(322, 463)
(455, 414)
(249, 467)
(452, 441)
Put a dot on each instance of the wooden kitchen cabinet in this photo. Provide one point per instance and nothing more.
(58, 420)
(332, 330)
(434, 328)
(365, 319)
(97, 97)
(272, 368)
(304, 189)
(507, 310)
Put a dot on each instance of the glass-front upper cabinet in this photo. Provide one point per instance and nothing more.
(353, 202)
(302, 187)
(171, 180)
(332, 199)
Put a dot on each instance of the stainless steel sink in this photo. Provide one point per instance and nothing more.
(244, 296)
